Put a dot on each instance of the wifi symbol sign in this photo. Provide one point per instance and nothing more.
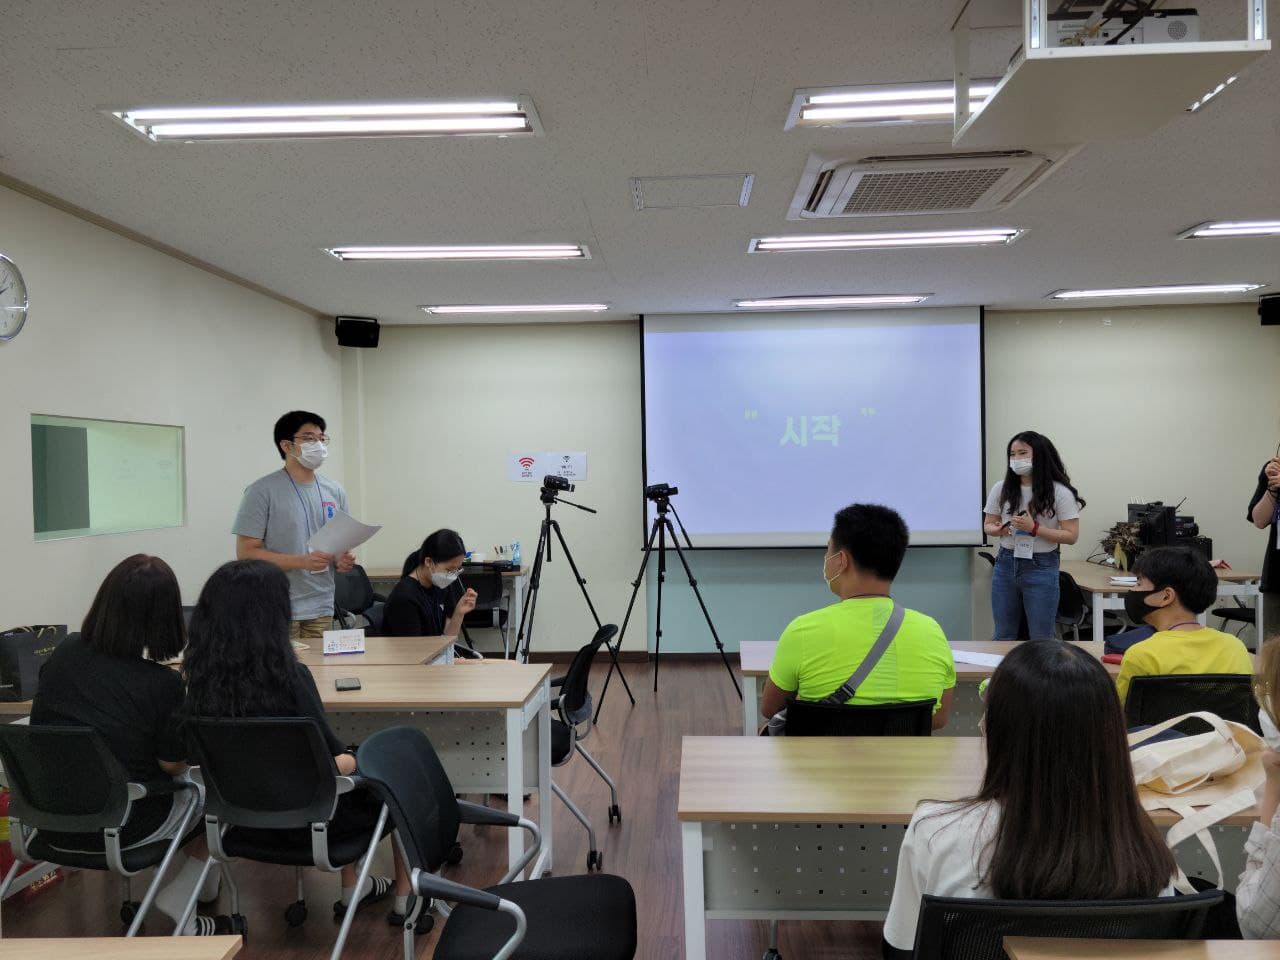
(526, 462)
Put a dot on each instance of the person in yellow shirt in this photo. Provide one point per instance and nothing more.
(819, 651)
(1176, 585)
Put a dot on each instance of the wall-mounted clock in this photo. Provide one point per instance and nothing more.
(13, 299)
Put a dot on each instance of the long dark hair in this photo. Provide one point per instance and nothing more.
(137, 611)
(238, 657)
(439, 547)
(1070, 825)
(1046, 470)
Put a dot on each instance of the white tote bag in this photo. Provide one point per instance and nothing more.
(1204, 778)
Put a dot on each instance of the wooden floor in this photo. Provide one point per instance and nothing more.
(640, 746)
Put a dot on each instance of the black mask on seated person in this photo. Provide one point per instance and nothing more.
(1136, 606)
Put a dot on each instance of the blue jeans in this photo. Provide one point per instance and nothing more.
(1025, 586)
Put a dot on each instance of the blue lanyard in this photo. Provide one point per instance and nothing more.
(306, 514)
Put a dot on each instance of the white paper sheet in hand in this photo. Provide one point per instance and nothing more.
(978, 659)
(341, 533)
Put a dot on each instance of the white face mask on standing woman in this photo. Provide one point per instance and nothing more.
(1021, 467)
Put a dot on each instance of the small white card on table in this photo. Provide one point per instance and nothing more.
(343, 641)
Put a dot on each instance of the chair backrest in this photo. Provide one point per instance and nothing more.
(1153, 700)
(404, 772)
(270, 773)
(912, 719)
(966, 929)
(63, 779)
(574, 689)
(1070, 599)
(485, 581)
(352, 591)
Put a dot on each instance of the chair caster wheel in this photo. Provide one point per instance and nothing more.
(594, 861)
(239, 925)
(128, 910)
(295, 915)
(455, 855)
(771, 954)
(615, 814)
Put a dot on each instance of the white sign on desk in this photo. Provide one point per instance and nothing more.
(343, 641)
(532, 467)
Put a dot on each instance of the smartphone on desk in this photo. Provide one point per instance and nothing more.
(343, 684)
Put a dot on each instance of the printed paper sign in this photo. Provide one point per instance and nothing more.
(343, 641)
(532, 467)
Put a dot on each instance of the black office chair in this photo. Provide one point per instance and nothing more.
(966, 929)
(575, 707)
(271, 791)
(583, 917)
(1153, 700)
(490, 611)
(65, 780)
(1241, 614)
(355, 604)
(912, 719)
(1072, 610)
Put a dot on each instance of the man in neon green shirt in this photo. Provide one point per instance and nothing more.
(1174, 587)
(819, 651)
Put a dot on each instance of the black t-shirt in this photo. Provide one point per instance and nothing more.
(1271, 560)
(130, 701)
(306, 701)
(417, 611)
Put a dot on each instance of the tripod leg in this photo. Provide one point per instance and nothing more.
(635, 590)
(662, 578)
(582, 582)
(524, 636)
(705, 613)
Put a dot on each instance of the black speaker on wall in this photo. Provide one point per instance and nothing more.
(356, 331)
(1269, 310)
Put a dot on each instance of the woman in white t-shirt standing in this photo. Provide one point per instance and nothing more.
(1034, 511)
(1057, 816)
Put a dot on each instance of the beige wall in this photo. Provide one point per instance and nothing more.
(434, 413)
(122, 332)
(1144, 404)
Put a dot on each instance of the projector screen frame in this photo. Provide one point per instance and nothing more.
(645, 520)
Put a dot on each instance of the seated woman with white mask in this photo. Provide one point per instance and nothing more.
(425, 603)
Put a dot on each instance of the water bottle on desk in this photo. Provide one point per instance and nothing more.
(515, 553)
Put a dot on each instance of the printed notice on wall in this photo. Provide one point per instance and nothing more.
(532, 467)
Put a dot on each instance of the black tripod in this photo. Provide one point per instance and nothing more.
(661, 527)
(524, 637)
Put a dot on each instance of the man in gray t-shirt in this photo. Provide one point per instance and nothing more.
(281, 511)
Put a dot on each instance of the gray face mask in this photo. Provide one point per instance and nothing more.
(312, 454)
(442, 579)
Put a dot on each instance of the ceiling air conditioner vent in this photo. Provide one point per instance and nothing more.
(916, 184)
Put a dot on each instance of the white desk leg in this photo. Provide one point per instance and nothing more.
(1259, 628)
(545, 813)
(750, 706)
(695, 905)
(515, 783)
(1098, 634)
(515, 607)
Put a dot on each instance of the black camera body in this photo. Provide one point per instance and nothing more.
(553, 482)
(660, 491)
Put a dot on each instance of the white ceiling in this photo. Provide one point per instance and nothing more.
(641, 88)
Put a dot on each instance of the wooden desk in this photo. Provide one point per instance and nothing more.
(966, 707)
(513, 588)
(810, 827)
(120, 948)
(384, 651)
(480, 716)
(1044, 948)
(1095, 580)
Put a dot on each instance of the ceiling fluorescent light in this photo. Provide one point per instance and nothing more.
(267, 122)
(844, 300)
(476, 251)
(1232, 228)
(1211, 94)
(1171, 290)
(516, 308)
(932, 102)
(980, 237)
